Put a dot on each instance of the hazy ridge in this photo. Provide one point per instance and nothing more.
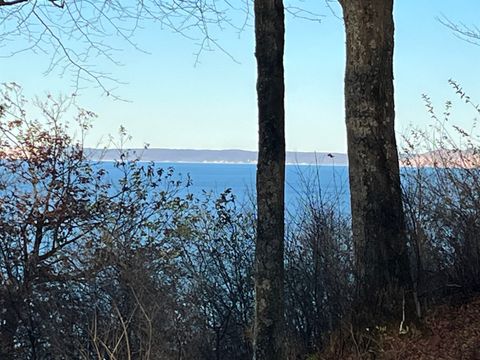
(216, 156)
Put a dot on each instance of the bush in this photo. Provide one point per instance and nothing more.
(442, 202)
(319, 265)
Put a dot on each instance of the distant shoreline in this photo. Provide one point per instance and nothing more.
(191, 156)
(438, 158)
(216, 162)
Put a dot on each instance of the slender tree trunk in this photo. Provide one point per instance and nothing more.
(269, 271)
(382, 265)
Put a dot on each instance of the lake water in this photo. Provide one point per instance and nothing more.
(326, 181)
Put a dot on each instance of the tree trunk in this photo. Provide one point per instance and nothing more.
(382, 265)
(269, 272)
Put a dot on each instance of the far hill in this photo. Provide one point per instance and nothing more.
(216, 156)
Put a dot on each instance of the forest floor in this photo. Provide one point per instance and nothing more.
(450, 332)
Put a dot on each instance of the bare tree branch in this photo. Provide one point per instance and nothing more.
(470, 34)
(9, 3)
(79, 35)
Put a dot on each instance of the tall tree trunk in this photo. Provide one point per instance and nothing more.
(269, 271)
(382, 265)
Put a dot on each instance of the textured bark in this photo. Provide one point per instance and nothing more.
(384, 286)
(269, 313)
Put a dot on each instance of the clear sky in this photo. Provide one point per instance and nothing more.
(174, 103)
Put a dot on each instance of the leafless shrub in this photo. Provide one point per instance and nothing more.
(319, 264)
(441, 196)
(217, 259)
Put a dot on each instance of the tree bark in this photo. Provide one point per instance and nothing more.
(384, 285)
(269, 270)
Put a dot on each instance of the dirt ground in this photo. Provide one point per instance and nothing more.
(450, 332)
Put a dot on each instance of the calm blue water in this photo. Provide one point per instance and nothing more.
(326, 182)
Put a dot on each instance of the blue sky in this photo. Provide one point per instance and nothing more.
(173, 103)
